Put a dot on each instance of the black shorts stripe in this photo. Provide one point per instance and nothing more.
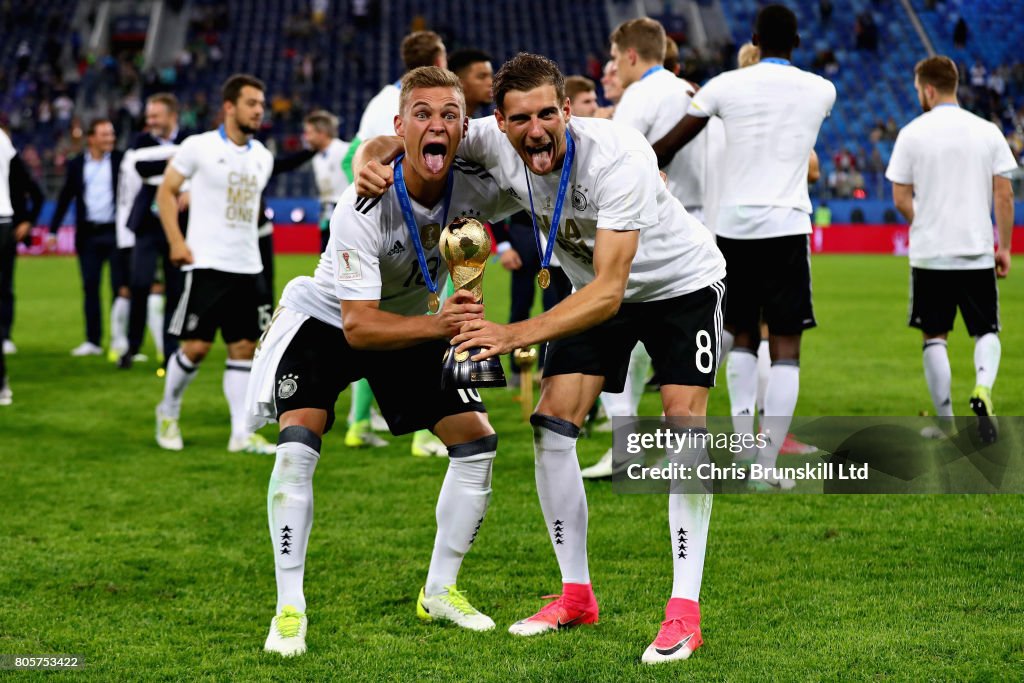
(178, 319)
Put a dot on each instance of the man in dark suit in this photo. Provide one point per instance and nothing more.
(150, 243)
(91, 181)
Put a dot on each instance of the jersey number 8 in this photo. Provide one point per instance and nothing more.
(705, 357)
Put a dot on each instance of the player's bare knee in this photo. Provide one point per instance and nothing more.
(746, 341)
(195, 350)
(568, 397)
(784, 348)
(311, 419)
(243, 349)
(463, 428)
(572, 413)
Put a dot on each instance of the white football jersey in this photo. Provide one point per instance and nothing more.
(331, 179)
(614, 185)
(379, 115)
(227, 181)
(772, 114)
(950, 156)
(371, 258)
(652, 105)
(715, 175)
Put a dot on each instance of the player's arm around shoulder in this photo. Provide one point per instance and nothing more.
(700, 108)
(367, 327)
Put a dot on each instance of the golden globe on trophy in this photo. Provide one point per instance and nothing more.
(465, 246)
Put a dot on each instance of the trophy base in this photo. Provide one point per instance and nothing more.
(470, 374)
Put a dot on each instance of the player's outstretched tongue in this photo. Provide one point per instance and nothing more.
(433, 157)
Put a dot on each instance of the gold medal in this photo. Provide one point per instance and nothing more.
(433, 302)
(544, 278)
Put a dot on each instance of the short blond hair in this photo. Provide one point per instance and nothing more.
(645, 35)
(421, 48)
(576, 85)
(749, 55)
(430, 77)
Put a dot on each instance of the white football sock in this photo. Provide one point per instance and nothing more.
(689, 514)
(728, 339)
(764, 366)
(938, 375)
(155, 320)
(180, 373)
(562, 497)
(119, 324)
(617, 405)
(987, 352)
(235, 383)
(636, 377)
(461, 507)
(290, 511)
(779, 405)
(741, 376)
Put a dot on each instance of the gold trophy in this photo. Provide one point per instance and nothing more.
(525, 359)
(465, 246)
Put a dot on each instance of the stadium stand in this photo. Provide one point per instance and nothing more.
(339, 58)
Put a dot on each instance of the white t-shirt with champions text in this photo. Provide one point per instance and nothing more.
(226, 183)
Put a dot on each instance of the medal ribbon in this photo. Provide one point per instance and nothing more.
(224, 136)
(654, 69)
(563, 186)
(410, 218)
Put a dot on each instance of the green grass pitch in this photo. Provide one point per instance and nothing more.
(158, 566)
